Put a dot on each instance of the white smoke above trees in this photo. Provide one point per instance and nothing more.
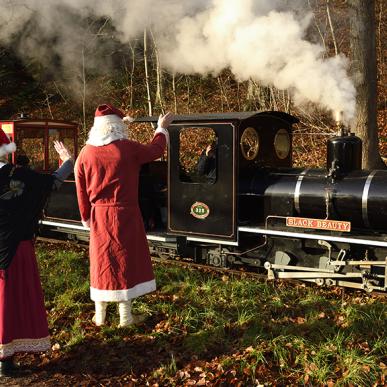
(260, 39)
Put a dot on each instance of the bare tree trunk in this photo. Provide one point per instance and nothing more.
(381, 56)
(223, 94)
(380, 37)
(251, 96)
(318, 28)
(60, 93)
(87, 44)
(331, 27)
(239, 95)
(48, 104)
(261, 97)
(159, 77)
(201, 92)
(286, 100)
(174, 91)
(159, 88)
(84, 91)
(363, 51)
(150, 107)
(187, 81)
(273, 100)
(131, 74)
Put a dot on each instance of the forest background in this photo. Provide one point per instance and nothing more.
(63, 64)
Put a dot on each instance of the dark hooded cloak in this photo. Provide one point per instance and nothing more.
(23, 194)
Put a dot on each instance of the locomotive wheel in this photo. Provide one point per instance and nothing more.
(330, 282)
(319, 281)
(217, 257)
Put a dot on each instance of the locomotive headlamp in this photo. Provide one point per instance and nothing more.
(282, 144)
(249, 143)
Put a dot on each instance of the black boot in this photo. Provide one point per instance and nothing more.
(8, 367)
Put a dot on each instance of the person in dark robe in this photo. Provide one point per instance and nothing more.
(107, 175)
(23, 194)
(207, 163)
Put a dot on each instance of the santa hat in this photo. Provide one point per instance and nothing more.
(109, 125)
(6, 146)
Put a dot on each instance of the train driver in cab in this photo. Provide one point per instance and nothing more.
(207, 163)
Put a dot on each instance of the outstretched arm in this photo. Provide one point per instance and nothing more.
(204, 164)
(154, 150)
(66, 168)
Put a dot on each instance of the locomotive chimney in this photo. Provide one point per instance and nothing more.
(343, 151)
(342, 130)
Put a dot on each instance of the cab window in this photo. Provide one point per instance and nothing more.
(198, 155)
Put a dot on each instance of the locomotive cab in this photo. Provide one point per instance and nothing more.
(212, 159)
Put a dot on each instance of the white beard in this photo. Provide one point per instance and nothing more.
(107, 129)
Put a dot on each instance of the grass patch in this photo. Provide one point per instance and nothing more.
(207, 327)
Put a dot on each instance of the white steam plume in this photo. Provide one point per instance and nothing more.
(259, 39)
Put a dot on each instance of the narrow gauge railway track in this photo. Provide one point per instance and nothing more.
(179, 262)
(205, 268)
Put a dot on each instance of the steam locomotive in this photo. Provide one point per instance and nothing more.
(327, 226)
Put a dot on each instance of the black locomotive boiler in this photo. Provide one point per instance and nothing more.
(254, 209)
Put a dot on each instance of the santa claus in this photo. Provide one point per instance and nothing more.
(107, 174)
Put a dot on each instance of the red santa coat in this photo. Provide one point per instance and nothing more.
(107, 189)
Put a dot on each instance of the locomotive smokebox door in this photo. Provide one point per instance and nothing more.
(202, 177)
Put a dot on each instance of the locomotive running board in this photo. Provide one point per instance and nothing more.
(368, 242)
(213, 241)
(159, 237)
(64, 225)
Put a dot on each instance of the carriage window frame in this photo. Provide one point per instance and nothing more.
(23, 135)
